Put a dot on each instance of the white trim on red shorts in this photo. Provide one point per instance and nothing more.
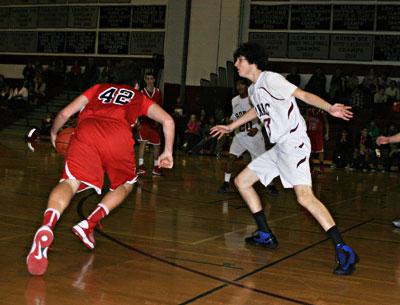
(72, 177)
(133, 181)
(147, 141)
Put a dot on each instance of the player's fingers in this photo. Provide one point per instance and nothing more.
(217, 134)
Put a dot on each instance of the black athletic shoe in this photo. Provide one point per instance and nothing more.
(263, 239)
(224, 188)
(272, 191)
(346, 260)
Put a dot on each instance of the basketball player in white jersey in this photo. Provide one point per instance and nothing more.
(382, 140)
(274, 101)
(248, 137)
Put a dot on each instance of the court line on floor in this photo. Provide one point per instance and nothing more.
(269, 265)
(270, 222)
(242, 229)
(210, 276)
(194, 271)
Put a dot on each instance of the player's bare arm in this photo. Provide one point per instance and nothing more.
(326, 127)
(220, 130)
(156, 113)
(337, 110)
(387, 140)
(63, 116)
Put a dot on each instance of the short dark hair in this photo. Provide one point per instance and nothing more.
(126, 73)
(254, 53)
(150, 73)
(244, 81)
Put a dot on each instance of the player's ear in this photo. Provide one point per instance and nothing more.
(136, 86)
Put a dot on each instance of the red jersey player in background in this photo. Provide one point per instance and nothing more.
(318, 131)
(149, 132)
(102, 142)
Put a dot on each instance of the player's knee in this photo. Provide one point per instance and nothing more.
(128, 187)
(72, 184)
(240, 182)
(305, 198)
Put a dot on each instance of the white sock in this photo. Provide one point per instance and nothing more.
(141, 161)
(227, 177)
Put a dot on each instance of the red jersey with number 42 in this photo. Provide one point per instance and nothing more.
(103, 140)
(120, 103)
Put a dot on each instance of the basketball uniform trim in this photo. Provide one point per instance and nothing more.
(72, 177)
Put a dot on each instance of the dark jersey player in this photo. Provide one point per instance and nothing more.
(102, 142)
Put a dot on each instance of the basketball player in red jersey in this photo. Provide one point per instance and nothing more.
(102, 142)
(149, 129)
(318, 131)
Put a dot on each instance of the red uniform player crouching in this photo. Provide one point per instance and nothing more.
(102, 142)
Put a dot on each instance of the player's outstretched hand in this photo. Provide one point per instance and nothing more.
(341, 111)
(165, 160)
(382, 140)
(219, 131)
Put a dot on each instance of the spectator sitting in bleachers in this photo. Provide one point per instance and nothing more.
(39, 90)
(192, 133)
(179, 118)
(208, 143)
(380, 97)
(362, 151)
(19, 93)
(392, 92)
(351, 83)
(343, 150)
(358, 99)
(380, 103)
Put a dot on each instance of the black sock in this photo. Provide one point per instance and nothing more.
(334, 234)
(261, 221)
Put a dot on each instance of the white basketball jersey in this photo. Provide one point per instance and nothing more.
(276, 108)
(239, 107)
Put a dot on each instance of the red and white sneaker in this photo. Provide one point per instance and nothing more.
(157, 171)
(142, 170)
(85, 234)
(36, 260)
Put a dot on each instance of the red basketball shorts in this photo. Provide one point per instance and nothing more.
(317, 142)
(148, 133)
(100, 146)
